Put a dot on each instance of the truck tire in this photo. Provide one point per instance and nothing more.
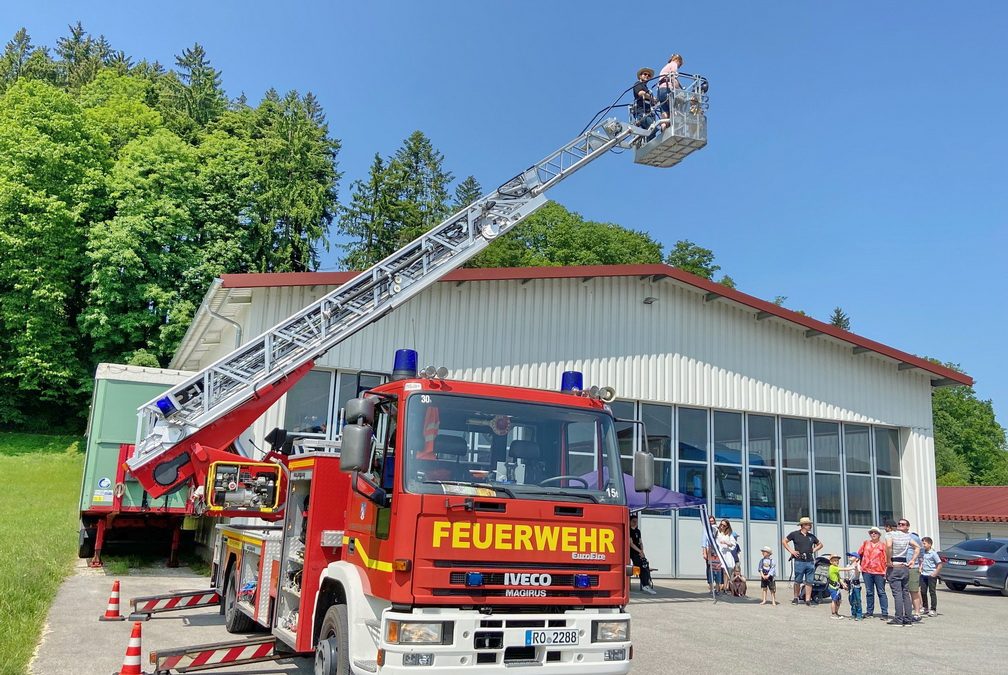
(332, 655)
(235, 621)
(86, 542)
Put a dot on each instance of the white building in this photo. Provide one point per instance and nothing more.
(770, 414)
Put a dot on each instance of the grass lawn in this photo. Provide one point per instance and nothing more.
(38, 535)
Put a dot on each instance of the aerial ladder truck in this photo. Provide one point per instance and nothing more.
(465, 526)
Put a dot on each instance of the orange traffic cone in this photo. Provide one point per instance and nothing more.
(112, 611)
(131, 662)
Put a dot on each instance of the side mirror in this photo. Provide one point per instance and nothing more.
(360, 410)
(355, 448)
(643, 469)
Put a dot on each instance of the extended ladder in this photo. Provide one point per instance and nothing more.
(210, 409)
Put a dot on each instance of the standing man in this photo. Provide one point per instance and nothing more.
(802, 545)
(902, 553)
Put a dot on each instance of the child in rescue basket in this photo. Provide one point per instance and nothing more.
(852, 574)
(767, 570)
(835, 584)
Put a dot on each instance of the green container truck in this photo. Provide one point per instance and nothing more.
(112, 504)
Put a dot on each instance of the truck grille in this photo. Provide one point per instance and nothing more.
(497, 579)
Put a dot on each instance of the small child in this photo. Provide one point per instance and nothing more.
(931, 565)
(835, 584)
(767, 570)
(852, 573)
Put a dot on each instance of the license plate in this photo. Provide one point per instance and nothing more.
(550, 637)
(957, 562)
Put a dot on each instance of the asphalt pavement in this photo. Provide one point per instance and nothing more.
(680, 629)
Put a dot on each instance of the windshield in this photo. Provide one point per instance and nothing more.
(470, 445)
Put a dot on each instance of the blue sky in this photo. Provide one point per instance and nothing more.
(856, 157)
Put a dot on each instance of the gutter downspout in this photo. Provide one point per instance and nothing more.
(237, 326)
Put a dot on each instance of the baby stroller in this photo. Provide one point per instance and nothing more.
(820, 579)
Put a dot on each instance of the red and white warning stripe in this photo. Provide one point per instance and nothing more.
(224, 654)
(178, 601)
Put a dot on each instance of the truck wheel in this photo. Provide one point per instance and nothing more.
(86, 542)
(235, 621)
(332, 656)
(955, 585)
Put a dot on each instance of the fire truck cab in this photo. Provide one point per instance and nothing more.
(464, 526)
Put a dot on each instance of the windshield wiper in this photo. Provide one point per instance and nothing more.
(560, 493)
(492, 486)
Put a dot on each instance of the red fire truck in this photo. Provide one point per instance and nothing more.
(467, 527)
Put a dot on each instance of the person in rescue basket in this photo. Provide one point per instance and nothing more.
(767, 570)
(802, 545)
(642, 108)
(638, 558)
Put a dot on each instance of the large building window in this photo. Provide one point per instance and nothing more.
(762, 494)
(887, 452)
(887, 468)
(826, 446)
(857, 448)
(307, 409)
(795, 495)
(762, 441)
(859, 500)
(658, 425)
(794, 443)
(728, 497)
(693, 453)
(826, 454)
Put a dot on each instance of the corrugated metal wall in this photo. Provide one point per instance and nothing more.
(679, 349)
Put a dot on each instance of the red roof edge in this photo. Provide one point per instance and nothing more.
(974, 503)
(655, 269)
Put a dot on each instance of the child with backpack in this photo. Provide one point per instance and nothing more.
(767, 570)
(852, 573)
(835, 584)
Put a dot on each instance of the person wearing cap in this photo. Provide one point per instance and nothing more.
(835, 584)
(873, 570)
(902, 553)
(852, 575)
(642, 108)
(767, 571)
(802, 545)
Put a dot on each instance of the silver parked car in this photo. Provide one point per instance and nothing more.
(976, 562)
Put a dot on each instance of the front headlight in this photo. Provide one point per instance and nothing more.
(414, 633)
(611, 631)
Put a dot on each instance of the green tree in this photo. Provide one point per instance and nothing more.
(554, 236)
(694, 259)
(141, 258)
(297, 198)
(726, 280)
(373, 219)
(80, 57)
(466, 192)
(198, 89)
(417, 171)
(50, 188)
(117, 106)
(969, 442)
(840, 319)
(21, 59)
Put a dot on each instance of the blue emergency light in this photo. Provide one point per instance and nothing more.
(571, 380)
(405, 364)
(166, 405)
(474, 578)
(582, 581)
